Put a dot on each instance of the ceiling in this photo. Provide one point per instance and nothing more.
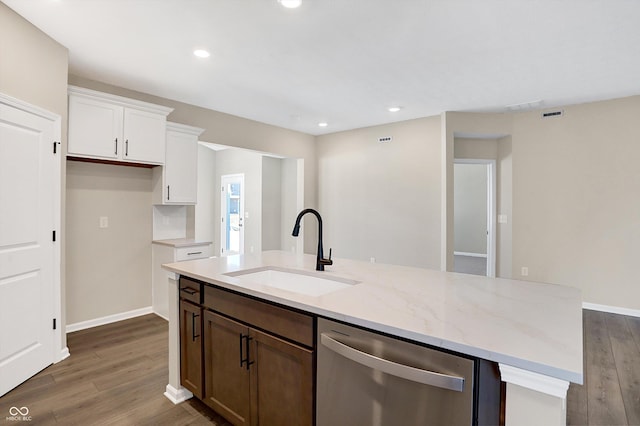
(346, 61)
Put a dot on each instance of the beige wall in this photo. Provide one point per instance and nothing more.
(108, 269)
(382, 200)
(470, 214)
(576, 206)
(204, 210)
(33, 68)
(271, 203)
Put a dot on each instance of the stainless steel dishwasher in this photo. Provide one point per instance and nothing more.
(368, 379)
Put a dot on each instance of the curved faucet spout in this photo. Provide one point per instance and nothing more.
(320, 260)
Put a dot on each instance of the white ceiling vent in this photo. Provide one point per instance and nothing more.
(550, 114)
(385, 139)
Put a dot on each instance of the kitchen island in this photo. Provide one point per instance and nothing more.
(532, 330)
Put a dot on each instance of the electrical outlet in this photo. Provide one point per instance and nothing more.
(524, 271)
(373, 260)
(104, 222)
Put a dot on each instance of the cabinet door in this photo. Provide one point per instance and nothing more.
(281, 381)
(191, 347)
(144, 136)
(226, 375)
(181, 168)
(95, 128)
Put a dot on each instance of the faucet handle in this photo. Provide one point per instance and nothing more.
(327, 261)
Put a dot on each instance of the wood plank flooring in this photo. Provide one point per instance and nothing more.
(610, 394)
(117, 374)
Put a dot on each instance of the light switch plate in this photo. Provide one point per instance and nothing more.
(502, 218)
(104, 222)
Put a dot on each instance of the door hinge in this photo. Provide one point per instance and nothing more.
(54, 323)
(54, 235)
(55, 147)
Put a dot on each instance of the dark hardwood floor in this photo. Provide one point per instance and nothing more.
(117, 374)
(610, 394)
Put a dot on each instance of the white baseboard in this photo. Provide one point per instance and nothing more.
(108, 319)
(611, 309)
(464, 253)
(177, 395)
(64, 354)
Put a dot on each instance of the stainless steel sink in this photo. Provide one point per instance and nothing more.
(296, 281)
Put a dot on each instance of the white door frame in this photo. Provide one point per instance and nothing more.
(491, 209)
(60, 352)
(224, 179)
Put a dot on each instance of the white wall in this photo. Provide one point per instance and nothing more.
(382, 200)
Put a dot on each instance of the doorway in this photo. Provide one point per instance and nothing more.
(474, 216)
(231, 213)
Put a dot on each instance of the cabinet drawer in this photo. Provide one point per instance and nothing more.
(190, 290)
(280, 321)
(193, 252)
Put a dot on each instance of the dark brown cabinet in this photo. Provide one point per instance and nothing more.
(256, 359)
(191, 347)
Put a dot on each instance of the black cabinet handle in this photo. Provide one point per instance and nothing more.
(190, 291)
(244, 360)
(126, 148)
(168, 189)
(116, 146)
(193, 327)
(194, 252)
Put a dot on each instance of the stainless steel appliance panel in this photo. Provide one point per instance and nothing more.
(367, 379)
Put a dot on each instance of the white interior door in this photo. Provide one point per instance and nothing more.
(232, 214)
(29, 258)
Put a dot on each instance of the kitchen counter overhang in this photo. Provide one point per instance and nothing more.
(530, 326)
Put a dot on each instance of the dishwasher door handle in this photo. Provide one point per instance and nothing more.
(414, 374)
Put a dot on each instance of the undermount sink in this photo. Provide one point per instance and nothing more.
(296, 281)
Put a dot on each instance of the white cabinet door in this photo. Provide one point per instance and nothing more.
(144, 137)
(95, 128)
(181, 168)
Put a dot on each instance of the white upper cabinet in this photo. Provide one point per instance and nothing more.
(113, 128)
(177, 181)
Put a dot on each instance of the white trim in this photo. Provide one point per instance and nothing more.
(25, 106)
(119, 100)
(183, 128)
(611, 309)
(534, 381)
(177, 395)
(64, 354)
(108, 319)
(464, 253)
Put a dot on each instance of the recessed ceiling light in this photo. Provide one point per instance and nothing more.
(290, 4)
(201, 53)
(323, 124)
(394, 109)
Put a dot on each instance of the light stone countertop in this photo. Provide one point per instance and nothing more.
(181, 242)
(532, 326)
